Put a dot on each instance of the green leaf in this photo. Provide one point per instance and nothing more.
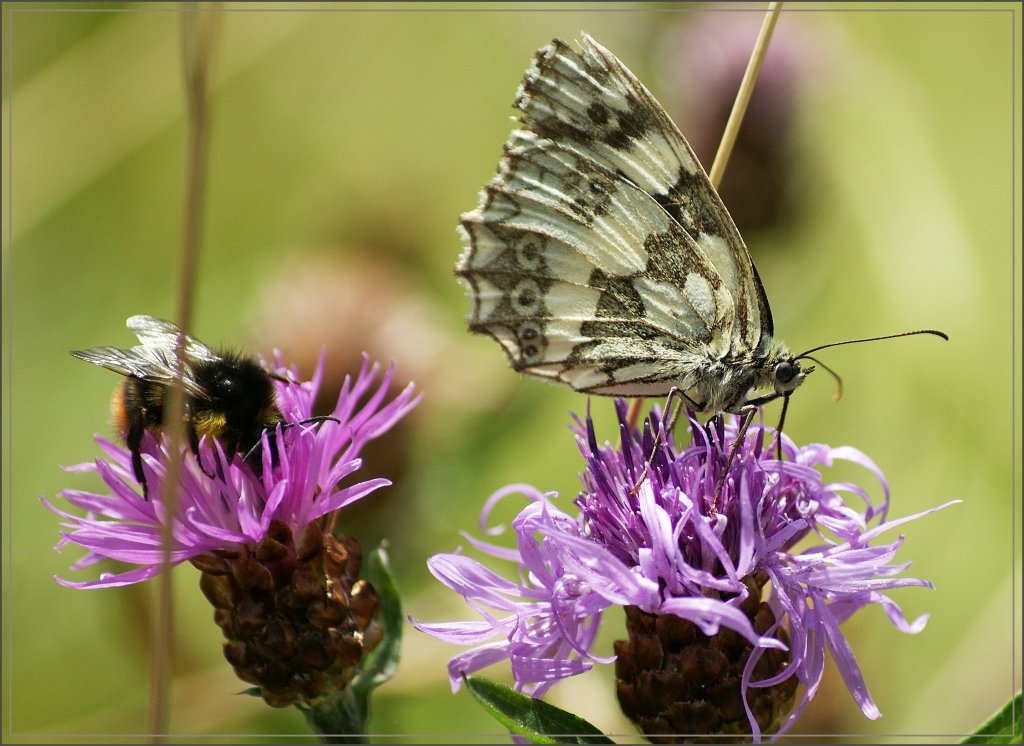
(530, 718)
(380, 665)
(1003, 727)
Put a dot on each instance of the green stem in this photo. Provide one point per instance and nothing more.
(337, 719)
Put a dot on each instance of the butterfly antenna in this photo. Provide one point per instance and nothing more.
(839, 381)
(934, 332)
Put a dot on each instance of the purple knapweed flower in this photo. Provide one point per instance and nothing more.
(286, 591)
(706, 654)
(234, 506)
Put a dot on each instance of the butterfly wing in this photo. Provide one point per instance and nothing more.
(593, 102)
(154, 359)
(600, 255)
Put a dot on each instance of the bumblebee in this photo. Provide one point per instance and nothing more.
(228, 396)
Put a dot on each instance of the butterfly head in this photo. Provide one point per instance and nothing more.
(781, 372)
(787, 375)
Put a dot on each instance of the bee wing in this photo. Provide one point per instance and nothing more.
(153, 360)
(159, 334)
(145, 363)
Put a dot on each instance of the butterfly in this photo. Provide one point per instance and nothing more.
(601, 256)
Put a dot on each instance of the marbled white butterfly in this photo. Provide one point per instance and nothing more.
(601, 256)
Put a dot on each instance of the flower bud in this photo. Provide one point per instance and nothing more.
(298, 620)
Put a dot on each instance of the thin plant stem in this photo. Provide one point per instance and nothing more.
(739, 106)
(198, 33)
(732, 128)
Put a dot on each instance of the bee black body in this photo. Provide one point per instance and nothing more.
(228, 396)
(241, 406)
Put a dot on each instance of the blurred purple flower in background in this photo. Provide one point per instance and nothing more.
(702, 59)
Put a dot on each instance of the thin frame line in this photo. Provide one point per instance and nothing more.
(8, 287)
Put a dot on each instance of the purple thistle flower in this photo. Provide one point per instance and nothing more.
(287, 593)
(236, 506)
(650, 537)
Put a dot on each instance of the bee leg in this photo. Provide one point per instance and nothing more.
(133, 439)
(193, 442)
(254, 456)
(274, 458)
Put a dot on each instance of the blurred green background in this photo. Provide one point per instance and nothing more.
(873, 185)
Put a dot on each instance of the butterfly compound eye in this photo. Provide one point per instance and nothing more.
(786, 371)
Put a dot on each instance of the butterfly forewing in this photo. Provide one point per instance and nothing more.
(593, 101)
(600, 255)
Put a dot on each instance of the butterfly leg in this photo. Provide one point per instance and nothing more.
(778, 430)
(760, 402)
(670, 416)
(747, 414)
(668, 421)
